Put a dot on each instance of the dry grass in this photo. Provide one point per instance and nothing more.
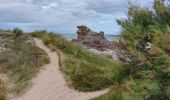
(2, 91)
(21, 61)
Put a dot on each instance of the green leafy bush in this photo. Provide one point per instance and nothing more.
(146, 40)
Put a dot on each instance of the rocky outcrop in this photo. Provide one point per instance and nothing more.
(92, 39)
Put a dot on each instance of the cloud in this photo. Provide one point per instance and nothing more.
(29, 1)
(51, 5)
(64, 15)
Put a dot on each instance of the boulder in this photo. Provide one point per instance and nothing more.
(92, 39)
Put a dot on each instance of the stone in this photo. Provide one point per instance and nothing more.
(92, 39)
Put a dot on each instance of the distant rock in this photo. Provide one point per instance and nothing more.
(92, 39)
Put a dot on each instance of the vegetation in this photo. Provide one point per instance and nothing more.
(2, 91)
(17, 32)
(21, 60)
(146, 38)
(86, 71)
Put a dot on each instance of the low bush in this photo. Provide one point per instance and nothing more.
(145, 42)
(17, 32)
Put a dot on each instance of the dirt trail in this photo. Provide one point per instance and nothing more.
(51, 85)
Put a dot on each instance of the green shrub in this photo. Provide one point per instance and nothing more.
(142, 27)
(17, 32)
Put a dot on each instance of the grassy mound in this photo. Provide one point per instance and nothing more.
(21, 61)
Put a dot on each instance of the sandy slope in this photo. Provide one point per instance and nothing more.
(51, 85)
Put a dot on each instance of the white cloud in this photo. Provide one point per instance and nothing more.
(51, 5)
(64, 15)
(29, 1)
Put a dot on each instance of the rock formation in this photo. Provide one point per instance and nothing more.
(92, 39)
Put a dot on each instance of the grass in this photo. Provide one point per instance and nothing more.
(141, 86)
(89, 72)
(85, 70)
(2, 91)
(132, 90)
(87, 75)
(21, 61)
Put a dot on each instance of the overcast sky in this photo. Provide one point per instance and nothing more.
(64, 15)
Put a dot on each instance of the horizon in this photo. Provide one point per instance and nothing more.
(64, 16)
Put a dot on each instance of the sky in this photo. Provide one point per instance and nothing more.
(63, 16)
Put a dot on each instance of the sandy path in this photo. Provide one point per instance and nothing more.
(51, 85)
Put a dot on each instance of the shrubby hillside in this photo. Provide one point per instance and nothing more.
(146, 44)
